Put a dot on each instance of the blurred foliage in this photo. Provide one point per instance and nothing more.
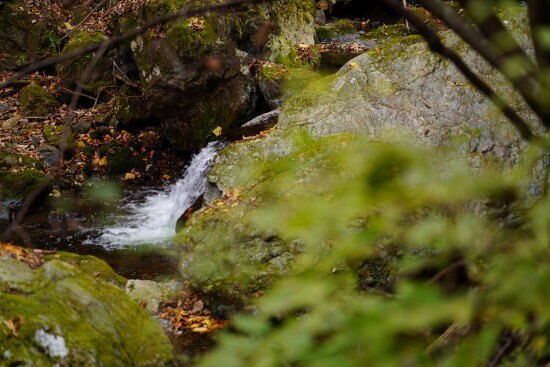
(468, 289)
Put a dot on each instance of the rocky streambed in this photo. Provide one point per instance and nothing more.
(58, 308)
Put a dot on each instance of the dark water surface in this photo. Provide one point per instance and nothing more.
(78, 227)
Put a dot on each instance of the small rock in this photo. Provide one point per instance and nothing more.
(320, 17)
(36, 139)
(49, 154)
(82, 126)
(146, 292)
(10, 124)
(150, 139)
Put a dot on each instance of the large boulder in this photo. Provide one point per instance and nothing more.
(399, 90)
(37, 101)
(58, 315)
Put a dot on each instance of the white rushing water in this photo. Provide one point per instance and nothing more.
(153, 220)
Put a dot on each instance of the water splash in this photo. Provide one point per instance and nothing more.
(153, 221)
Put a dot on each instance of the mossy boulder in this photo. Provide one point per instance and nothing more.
(71, 70)
(10, 160)
(228, 258)
(53, 135)
(58, 315)
(37, 101)
(278, 83)
(399, 91)
(90, 265)
(21, 41)
(17, 185)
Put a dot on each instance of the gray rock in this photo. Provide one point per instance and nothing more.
(82, 126)
(49, 154)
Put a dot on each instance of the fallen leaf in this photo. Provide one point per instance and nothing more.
(55, 193)
(129, 176)
(102, 161)
(217, 131)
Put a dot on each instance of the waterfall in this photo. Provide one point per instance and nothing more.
(153, 220)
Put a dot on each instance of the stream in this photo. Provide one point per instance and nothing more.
(132, 233)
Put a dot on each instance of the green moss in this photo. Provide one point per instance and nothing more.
(98, 323)
(192, 43)
(18, 160)
(387, 31)
(90, 265)
(35, 101)
(123, 160)
(344, 26)
(73, 68)
(53, 134)
(248, 257)
(17, 185)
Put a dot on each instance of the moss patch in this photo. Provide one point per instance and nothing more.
(36, 101)
(53, 135)
(18, 160)
(90, 265)
(19, 184)
(93, 322)
(73, 68)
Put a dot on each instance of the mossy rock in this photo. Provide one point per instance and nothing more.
(229, 258)
(22, 41)
(122, 160)
(36, 101)
(71, 70)
(9, 160)
(53, 135)
(17, 185)
(65, 317)
(338, 28)
(89, 265)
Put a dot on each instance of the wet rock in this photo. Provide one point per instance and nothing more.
(37, 101)
(64, 316)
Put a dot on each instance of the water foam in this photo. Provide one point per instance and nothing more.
(152, 221)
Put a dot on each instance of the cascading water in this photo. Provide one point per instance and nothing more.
(153, 221)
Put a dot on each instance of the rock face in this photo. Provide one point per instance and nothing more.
(399, 89)
(197, 77)
(58, 315)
